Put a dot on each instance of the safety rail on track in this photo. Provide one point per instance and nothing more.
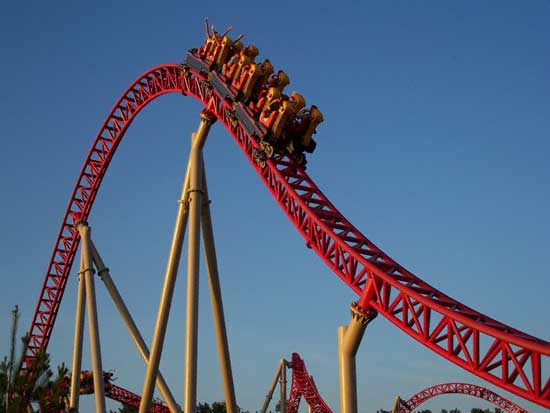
(459, 388)
(500, 354)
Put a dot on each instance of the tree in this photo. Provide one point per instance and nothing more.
(219, 407)
(126, 409)
(35, 384)
(204, 408)
(443, 410)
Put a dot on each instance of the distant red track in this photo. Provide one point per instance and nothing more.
(483, 346)
(131, 399)
(460, 388)
(302, 385)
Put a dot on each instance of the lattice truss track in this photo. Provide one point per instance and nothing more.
(459, 388)
(302, 385)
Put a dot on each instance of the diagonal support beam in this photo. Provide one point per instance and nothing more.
(133, 330)
(78, 337)
(280, 377)
(216, 298)
(166, 299)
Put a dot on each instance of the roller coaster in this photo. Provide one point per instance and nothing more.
(273, 135)
(406, 406)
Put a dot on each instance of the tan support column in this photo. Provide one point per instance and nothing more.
(396, 408)
(349, 338)
(283, 385)
(103, 272)
(169, 281)
(216, 299)
(95, 347)
(78, 336)
(193, 243)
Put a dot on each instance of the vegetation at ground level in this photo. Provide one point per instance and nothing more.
(37, 384)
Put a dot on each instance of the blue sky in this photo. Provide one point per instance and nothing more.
(435, 145)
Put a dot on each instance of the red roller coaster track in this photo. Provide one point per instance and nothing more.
(459, 388)
(302, 385)
(485, 347)
(131, 399)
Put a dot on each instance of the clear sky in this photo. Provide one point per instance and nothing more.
(435, 144)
